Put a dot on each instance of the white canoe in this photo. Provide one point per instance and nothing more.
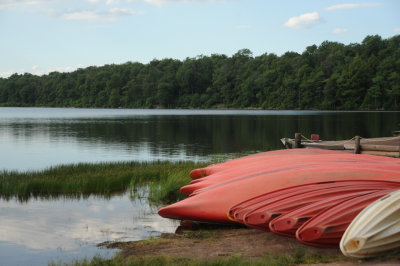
(375, 230)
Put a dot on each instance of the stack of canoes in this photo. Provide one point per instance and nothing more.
(309, 194)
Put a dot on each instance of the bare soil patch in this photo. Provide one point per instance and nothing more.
(223, 242)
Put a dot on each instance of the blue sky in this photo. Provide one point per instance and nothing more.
(40, 36)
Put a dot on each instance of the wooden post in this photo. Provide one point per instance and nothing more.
(297, 140)
(357, 148)
(287, 146)
(399, 147)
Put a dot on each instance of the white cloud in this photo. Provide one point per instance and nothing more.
(340, 31)
(306, 20)
(161, 2)
(243, 27)
(396, 30)
(351, 6)
(6, 74)
(22, 3)
(59, 69)
(82, 15)
(110, 207)
(36, 70)
(112, 2)
(105, 15)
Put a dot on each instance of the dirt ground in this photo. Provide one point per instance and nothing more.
(223, 242)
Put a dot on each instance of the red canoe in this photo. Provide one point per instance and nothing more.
(327, 228)
(238, 211)
(261, 216)
(287, 198)
(265, 157)
(213, 204)
(265, 161)
(209, 170)
(287, 224)
(195, 189)
(277, 162)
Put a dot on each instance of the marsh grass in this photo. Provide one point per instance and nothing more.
(163, 178)
(104, 179)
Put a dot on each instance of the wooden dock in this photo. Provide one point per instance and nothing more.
(387, 146)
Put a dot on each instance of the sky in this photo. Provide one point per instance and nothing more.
(41, 36)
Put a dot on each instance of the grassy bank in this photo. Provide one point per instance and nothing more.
(271, 260)
(226, 245)
(104, 179)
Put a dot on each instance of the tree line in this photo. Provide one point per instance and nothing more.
(330, 76)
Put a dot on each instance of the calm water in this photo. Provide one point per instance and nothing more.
(39, 231)
(36, 138)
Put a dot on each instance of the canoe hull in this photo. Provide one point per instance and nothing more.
(327, 228)
(375, 230)
(213, 205)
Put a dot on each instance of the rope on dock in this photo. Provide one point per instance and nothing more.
(304, 137)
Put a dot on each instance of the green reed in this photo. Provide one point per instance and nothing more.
(103, 179)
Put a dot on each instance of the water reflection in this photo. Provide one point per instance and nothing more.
(34, 138)
(65, 229)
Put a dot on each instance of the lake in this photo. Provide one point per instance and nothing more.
(36, 138)
(39, 231)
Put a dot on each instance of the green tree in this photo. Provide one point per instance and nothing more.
(329, 76)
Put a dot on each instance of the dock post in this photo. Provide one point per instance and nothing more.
(357, 148)
(297, 140)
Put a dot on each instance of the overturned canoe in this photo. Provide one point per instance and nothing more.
(375, 230)
(269, 162)
(327, 228)
(213, 204)
(261, 216)
(210, 169)
(288, 223)
(252, 164)
(265, 157)
(238, 211)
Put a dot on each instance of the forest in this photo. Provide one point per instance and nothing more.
(330, 76)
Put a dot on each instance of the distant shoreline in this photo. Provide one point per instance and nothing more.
(206, 109)
(330, 76)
